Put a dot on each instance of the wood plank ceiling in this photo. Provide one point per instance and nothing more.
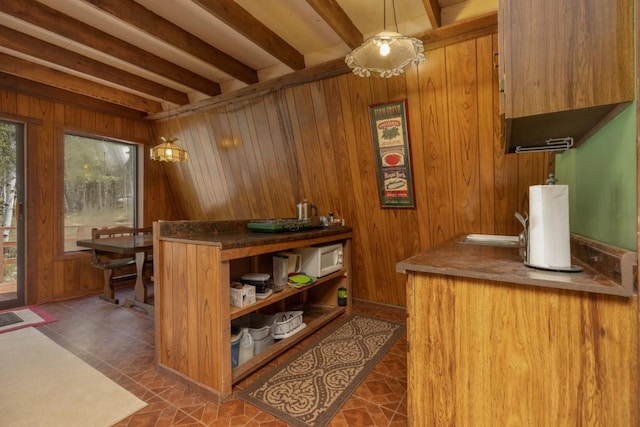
(140, 58)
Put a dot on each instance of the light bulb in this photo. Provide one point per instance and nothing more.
(384, 49)
(169, 152)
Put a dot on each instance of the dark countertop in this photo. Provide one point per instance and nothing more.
(234, 234)
(504, 264)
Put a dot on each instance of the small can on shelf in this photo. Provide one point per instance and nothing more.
(342, 296)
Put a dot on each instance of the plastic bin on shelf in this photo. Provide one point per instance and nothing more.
(260, 345)
(260, 328)
(287, 324)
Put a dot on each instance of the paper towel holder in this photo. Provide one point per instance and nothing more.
(571, 269)
(524, 250)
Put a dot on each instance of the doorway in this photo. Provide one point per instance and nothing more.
(11, 214)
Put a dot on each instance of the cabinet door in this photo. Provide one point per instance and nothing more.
(565, 54)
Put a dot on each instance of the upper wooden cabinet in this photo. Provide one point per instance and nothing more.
(566, 67)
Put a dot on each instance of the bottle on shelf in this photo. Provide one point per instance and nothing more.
(246, 346)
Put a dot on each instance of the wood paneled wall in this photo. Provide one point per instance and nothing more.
(50, 273)
(257, 158)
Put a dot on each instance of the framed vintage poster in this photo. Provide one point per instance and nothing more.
(391, 146)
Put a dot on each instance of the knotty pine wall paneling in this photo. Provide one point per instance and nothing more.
(50, 273)
(437, 193)
(257, 158)
(485, 99)
(462, 95)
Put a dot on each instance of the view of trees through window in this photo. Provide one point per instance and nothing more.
(8, 194)
(99, 186)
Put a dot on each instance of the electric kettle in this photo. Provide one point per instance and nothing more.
(305, 210)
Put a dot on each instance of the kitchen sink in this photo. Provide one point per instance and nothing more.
(492, 240)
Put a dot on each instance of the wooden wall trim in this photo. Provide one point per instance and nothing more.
(33, 88)
(110, 134)
(20, 119)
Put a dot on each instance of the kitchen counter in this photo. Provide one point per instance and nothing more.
(606, 270)
(235, 234)
(493, 342)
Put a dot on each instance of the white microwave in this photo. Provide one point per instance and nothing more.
(318, 261)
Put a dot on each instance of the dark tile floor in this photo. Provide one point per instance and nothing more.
(119, 342)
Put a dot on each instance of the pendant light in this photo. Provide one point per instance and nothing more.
(167, 151)
(386, 54)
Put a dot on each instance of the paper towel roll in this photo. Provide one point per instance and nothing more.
(549, 234)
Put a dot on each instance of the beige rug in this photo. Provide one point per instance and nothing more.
(43, 384)
(309, 388)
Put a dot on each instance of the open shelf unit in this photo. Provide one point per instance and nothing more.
(313, 322)
(287, 292)
(193, 312)
(293, 299)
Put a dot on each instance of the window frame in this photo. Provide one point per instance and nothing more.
(138, 149)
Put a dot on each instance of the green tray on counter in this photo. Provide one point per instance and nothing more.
(279, 225)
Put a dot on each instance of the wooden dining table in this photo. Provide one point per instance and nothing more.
(139, 246)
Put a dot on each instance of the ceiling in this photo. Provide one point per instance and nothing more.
(140, 58)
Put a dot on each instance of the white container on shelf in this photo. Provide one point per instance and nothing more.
(260, 345)
(261, 330)
(287, 324)
(259, 333)
(242, 295)
(246, 346)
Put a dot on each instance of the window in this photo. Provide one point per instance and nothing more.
(100, 182)
(10, 228)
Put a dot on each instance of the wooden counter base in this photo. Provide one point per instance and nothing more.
(483, 353)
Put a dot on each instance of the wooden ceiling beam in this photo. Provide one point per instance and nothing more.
(25, 44)
(331, 12)
(460, 31)
(29, 87)
(434, 12)
(162, 29)
(39, 73)
(243, 22)
(474, 27)
(52, 20)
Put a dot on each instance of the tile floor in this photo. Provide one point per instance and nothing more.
(119, 342)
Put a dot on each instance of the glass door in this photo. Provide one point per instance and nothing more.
(11, 214)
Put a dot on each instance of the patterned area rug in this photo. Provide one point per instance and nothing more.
(309, 388)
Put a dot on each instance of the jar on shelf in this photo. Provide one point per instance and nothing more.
(342, 296)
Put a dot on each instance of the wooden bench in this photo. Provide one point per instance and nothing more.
(111, 264)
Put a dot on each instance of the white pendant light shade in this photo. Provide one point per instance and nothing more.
(167, 151)
(387, 54)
